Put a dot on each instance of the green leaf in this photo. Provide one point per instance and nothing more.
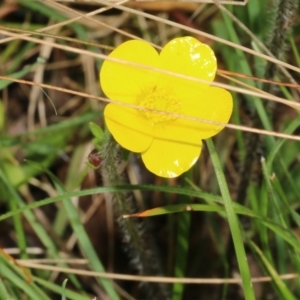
(96, 131)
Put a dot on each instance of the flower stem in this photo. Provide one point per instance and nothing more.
(138, 241)
(233, 224)
(279, 33)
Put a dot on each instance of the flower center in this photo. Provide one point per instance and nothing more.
(160, 104)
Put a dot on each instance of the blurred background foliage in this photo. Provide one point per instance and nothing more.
(58, 220)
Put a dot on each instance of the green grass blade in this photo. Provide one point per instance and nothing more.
(17, 75)
(11, 194)
(71, 295)
(16, 276)
(280, 285)
(233, 224)
(182, 247)
(63, 297)
(83, 239)
(3, 290)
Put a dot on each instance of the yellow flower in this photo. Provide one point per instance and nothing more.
(169, 144)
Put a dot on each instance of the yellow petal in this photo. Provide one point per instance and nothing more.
(170, 159)
(123, 82)
(187, 56)
(131, 130)
(213, 104)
